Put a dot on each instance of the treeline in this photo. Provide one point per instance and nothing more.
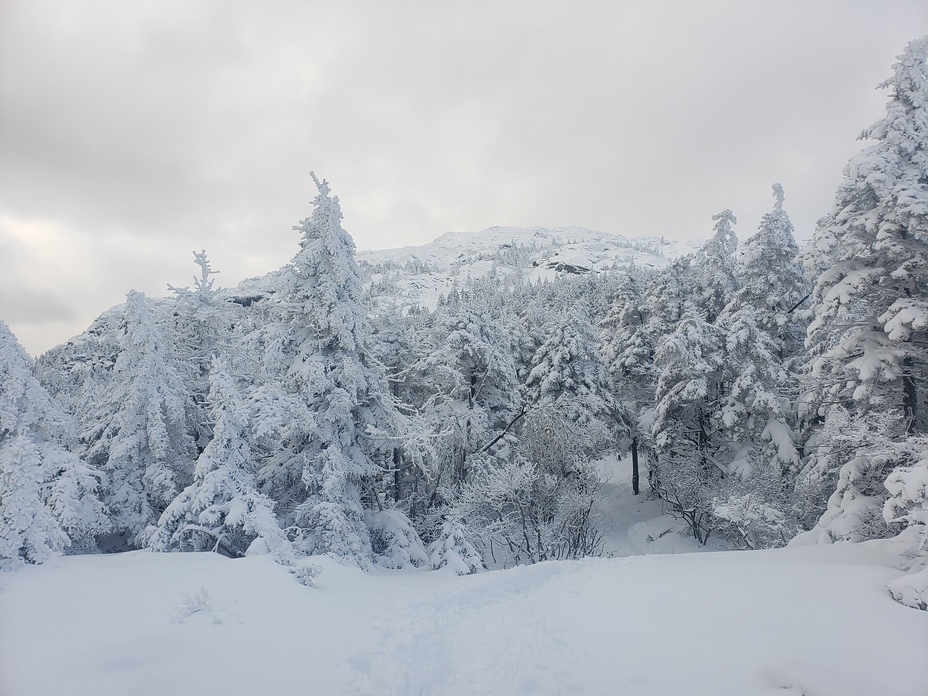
(770, 391)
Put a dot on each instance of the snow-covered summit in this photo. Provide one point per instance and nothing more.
(420, 274)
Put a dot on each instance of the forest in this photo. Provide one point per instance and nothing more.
(771, 393)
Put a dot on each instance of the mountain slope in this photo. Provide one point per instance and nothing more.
(419, 275)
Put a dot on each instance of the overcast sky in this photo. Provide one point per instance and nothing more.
(132, 133)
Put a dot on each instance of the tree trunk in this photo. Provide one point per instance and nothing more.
(397, 475)
(909, 396)
(635, 466)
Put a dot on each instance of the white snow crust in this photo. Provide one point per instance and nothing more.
(815, 620)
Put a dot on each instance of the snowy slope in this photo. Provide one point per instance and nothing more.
(419, 275)
(810, 620)
(813, 620)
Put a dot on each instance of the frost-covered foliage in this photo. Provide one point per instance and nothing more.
(316, 410)
(771, 280)
(326, 418)
(759, 524)
(138, 433)
(48, 497)
(628, 345)
(908, 486)
(568, 376)
(452, 549)
(908, 504)
(688, 457)
(222, 509)
(471, 379)
(205, 325)
(394, 542)
(868, 337)
(714, 268)
(530, 499)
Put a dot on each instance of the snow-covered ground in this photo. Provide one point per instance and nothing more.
(813, 620)
(635, 525)
(420, 275)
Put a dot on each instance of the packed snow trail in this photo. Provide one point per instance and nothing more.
(633, 525)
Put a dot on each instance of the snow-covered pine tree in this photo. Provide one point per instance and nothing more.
(713, 268)
(203, 329)
(772, 282)
(398, 342)
(222, 509)
(762, 459)
(138, 433)
(762, 340)
(531, 331)
(908, 504)
(690, 451)
(568, 376)
(48, 497)
(868, 337)
(667, 295)
(453, 550)
(628, 347)
(321, 376)
(630, 338)
(473, 378)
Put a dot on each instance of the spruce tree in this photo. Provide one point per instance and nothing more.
(713, 268)
(222, 509)
(322, 378)
(48, 497)
(771, 280)
(139, 432)
(868, 337)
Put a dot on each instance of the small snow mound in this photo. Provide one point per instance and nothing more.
(911, 589)
(200, 603)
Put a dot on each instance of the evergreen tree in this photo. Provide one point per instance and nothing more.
(475, 389)
(714, 268)
(629, 345)
(47, 495)
(139, 432)
(203, 329)
(867, 340)
(771, 280)
(569, 377)
(317, 358)
(691, 451)
(222, 509)
(763, 339)
(753, 501)
(908, 504)
(628, 349)
(452, 549)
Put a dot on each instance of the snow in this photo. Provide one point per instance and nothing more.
(815, 620)
(421, 274)
(636, 525)
(808, 619)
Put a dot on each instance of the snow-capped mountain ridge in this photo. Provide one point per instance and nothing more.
(421, 274)
(602, 247)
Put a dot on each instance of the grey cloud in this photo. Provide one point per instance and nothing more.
(33, 306)
(148, 129)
